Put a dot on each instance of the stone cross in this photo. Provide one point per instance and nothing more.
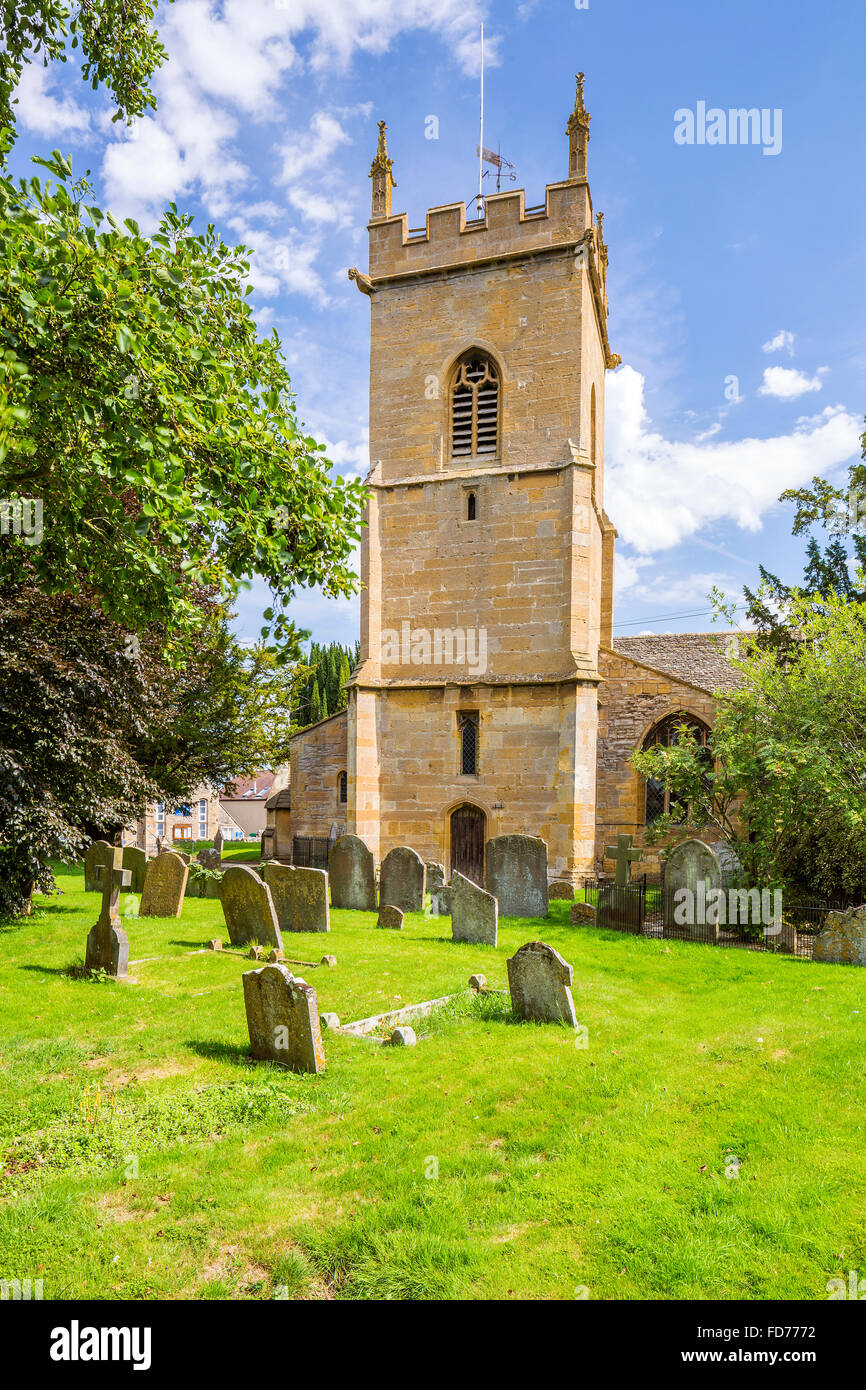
(107, 942)
(623, 855)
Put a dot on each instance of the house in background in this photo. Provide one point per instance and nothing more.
(240, 816)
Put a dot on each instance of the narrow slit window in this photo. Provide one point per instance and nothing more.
(470, 507)
(469, 745)
(475, 408)
(344, 788)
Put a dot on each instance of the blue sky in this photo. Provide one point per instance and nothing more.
(724, 261)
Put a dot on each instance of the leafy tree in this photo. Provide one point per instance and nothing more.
(158, 431)
(329, 669)
(829, 568)
(116, 39)
(788, 786)
(94, 726)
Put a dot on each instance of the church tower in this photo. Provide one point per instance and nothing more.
(487, 559)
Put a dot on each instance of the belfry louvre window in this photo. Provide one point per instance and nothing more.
(475, 407)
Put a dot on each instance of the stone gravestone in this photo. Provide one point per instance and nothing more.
(135, 860)
(164, 886)
(390, 917)
(248, 908)
(300, 896)
(562, 890)
(540, 984)
(440, 901)
(474, 913)
(107, 942)
(842, 939)
(218, 841)
(435, 876)
(209, 858)
(351, 875)
(516, 875)
(691, 865)
(402, 880)
(99, 852)
(283, 1019)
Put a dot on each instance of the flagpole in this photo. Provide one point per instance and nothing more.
(481, 140)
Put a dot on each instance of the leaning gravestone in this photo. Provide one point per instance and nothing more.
(402, 880)
(99, 852)
(842, 939)
(283, 1019)
(107, 942)
(517, 875)
(300, 896)
(209, 858)
(351, 875)
(474, 913)
(135, 860)
(248, 908)
(164, 886)
(540, 984)
(692, 874)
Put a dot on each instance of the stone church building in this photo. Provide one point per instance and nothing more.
(491, 696)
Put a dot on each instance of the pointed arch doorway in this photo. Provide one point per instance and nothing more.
(468, 834)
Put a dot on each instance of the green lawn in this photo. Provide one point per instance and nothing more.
(144, 1156)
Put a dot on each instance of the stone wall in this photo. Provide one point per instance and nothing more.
(318, 756)
(536, 767)
(632, 698)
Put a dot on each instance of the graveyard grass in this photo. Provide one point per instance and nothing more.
(144, 1156)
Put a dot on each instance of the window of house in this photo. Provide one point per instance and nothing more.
(469, 745)
(202, 819)
(344, 788)
(659, 801)
(475, 407)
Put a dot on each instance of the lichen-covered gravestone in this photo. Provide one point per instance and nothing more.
(209, 858)
(692, 874)
(561, 890)
(390, 917)
(248, 908)
(107, 942)
(135, 860)
(164, 886)
(842, 939)
(540, 984)
(435, 875)
(351, 874)
(99, 852)
(516, 875)
(283, 1019)
(474, 913)
(300, 896)
(402, 880)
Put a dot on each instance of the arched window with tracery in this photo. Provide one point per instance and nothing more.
(475, 401)
(659, 800)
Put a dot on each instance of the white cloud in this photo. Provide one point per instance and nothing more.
(660, 491)
(38, 110)
(232, 61)
(352, 460)
(783, 341)
(786, 383)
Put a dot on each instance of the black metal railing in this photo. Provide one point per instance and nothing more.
(309, 852)
(742, 918)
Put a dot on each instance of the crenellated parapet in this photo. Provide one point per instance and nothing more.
(507, 228)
